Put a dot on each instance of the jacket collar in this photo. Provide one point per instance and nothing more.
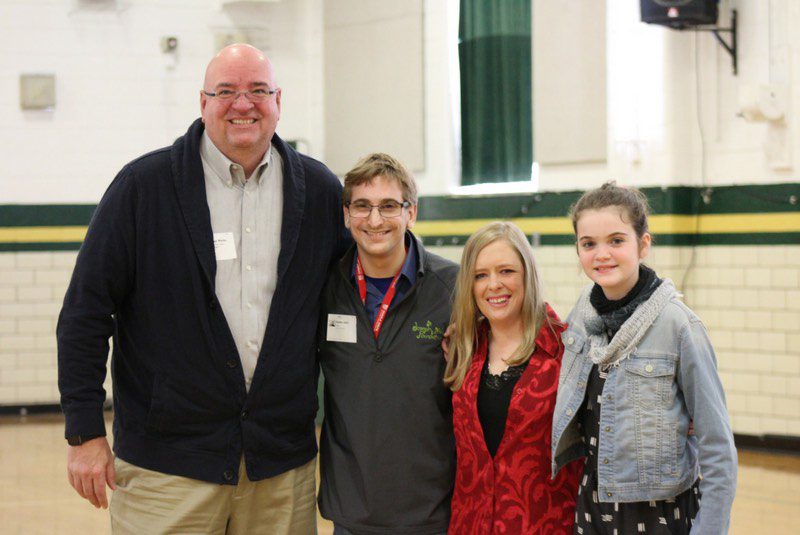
(423, 259)
(549, 336)
(187, 172)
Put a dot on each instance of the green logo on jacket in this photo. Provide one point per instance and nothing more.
(427, 331)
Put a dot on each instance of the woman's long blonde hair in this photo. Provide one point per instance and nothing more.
(466, 314)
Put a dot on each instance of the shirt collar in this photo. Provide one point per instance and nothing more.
(227, 171)
(409, 269)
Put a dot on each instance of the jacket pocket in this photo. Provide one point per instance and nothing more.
(651, 385)
(181, 410)
(652, 379)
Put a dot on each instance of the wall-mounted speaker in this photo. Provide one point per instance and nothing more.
(679, 14)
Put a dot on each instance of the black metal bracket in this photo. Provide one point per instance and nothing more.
(730, 48)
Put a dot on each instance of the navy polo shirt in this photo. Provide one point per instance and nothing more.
(408, 276)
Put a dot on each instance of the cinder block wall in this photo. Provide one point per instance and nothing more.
(748, 295)
(32, 286)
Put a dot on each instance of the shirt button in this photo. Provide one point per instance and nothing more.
(570, 340)
(249, 305)
(228, 475)
(247, 229)
(378, 356)
(605, 461)
(569, 412)
(244, 415)
(249, 268)
(648, 368)
(608, 429)
(609, 494)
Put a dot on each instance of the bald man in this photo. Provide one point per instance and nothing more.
(205, 261)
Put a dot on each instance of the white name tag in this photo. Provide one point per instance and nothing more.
(224, 246)
(341, 328)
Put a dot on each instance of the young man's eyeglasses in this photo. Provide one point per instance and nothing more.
(385, 209)
(229, 95)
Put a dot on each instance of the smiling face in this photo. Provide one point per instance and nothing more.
(609, 250)
(498, 284)
(241, 129)
(380, 240)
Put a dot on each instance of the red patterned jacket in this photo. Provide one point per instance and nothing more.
(513, 493)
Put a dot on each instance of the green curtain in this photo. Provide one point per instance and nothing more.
(494, 52)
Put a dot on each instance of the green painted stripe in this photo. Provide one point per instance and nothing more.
(751, 199)
(671, 200)
(42, 246)
(747, 214)
(780, 238)
(677, 200)
(673, 240)
(45, 215)
(659, 224)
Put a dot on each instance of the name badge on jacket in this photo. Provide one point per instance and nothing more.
(341, 328)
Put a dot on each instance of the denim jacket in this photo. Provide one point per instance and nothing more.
(649, 399)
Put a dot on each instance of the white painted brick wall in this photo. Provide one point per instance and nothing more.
(755, 329)
(752, 309)
(108, 62)
(28, 313)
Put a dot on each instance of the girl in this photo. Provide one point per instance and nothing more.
(638, 370)
(505, 355)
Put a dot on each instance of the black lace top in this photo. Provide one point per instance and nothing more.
(494, 396)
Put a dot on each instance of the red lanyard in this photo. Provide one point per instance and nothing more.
(387, 299)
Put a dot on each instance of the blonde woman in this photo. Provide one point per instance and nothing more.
(505, 358)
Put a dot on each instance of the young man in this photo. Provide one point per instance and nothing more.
(387, 454)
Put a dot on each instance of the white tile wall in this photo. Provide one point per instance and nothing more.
(32, 286)
(752, 313)
(107, 63)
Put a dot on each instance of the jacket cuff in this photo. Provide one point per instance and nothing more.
(84, 421)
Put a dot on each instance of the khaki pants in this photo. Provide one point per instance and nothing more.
(148, 502)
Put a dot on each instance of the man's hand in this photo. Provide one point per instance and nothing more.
(90, 467)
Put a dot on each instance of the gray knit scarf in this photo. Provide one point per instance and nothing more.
(607, 354)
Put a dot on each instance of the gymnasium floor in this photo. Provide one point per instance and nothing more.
(35, 497)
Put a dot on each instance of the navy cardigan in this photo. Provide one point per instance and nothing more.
(145, 274)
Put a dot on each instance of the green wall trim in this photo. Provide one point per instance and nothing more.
(39, 247)
(674, 240)
(58, 227)
(45, 215)
(677, 200)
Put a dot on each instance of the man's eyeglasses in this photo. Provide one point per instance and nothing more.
(228, 95)
(363, 209)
